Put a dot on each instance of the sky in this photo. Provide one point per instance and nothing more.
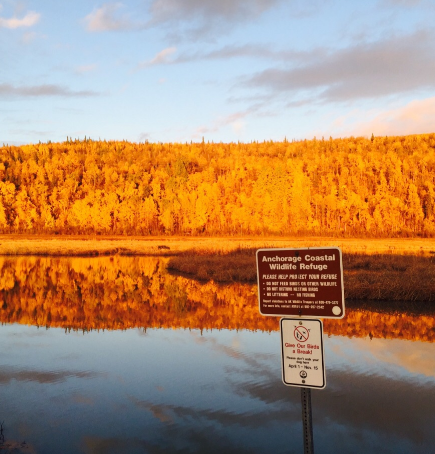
(222, 70)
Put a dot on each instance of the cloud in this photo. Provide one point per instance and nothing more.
(107, 18)
(248, 51)
(188, 17)
(238, 126)
(225, 52)
(28, 37)
(235, 120)
(367, 70)
(200, 18)
(30, 19)
(160, 58)
(85, 68)
(209, 10)
(405, 3)
(32, 91)
(416, 117)
(30, 132)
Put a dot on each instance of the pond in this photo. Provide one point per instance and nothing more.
(115, 355)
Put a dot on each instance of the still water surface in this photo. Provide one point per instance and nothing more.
(114, 355)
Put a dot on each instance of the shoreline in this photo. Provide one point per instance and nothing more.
(76, 245)
(400, 270)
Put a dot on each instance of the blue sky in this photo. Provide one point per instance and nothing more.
(225, 70)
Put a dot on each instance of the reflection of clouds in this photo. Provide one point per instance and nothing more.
(98, 445)
(382, 405)
(82, 399)
(159, 412)
(415, 357)
(27, 334)
(252, 360)
(7, 374)
(359, 402)
(69, 357)
(187, 440)
(251, 419)
(17, 447)
(243, 408)
(368, 406)
(363, 412)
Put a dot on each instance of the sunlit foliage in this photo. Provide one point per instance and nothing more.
(355, 186)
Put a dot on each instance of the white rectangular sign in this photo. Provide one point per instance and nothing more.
(302, 353)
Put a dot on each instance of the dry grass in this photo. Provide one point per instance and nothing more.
(88, 246)
(220, 266)
(391, 277)
(53, 245)
(374, 269)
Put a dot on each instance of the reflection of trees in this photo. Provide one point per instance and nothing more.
(118, 293)
(388, 326)
(125, 292)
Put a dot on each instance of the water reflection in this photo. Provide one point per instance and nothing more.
(180, 391)
(210, 381)
(137, 292)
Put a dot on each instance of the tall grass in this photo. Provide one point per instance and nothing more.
(366, 277)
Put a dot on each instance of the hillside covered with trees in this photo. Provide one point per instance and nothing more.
(383, 186)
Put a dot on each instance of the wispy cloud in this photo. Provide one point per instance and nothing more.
(254, 51)
(162, 57)
(32, 91)
(108, 18)
(401, 3)
(200, 18)
(83, 69)
(29, 37)
(366, 70)
(30, 19)
(230, 10)
(416, 117)
(30, 132)
(237, 121)
(188, 17)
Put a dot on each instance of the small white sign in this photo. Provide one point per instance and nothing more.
(302, 353)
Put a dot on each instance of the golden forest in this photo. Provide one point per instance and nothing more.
(383, 186)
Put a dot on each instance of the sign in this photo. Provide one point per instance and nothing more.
(302, 353)
(304, 282)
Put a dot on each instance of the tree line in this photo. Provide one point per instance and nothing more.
(383, 186)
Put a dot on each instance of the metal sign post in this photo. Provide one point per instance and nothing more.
(307, 283)
(307, 421)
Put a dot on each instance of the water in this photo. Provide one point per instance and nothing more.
(114, 355)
